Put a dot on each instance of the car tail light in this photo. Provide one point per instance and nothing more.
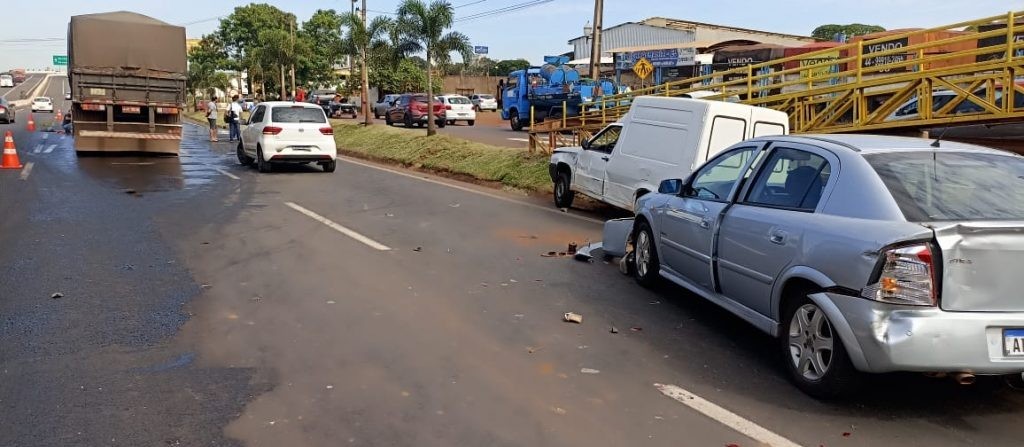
(94, 107)
(327, 130)
(907, 277)
(3, 109)
(272, 130)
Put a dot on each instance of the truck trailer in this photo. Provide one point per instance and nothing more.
(127, 74)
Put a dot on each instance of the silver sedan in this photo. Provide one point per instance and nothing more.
(860, 253)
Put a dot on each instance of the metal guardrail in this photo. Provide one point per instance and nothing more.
(859, 85)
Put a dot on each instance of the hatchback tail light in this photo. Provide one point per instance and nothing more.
(272, 130)
(907, 277)
(327, 130)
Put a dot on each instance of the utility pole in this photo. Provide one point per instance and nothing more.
(292, 27)
(367, 118)
(595, 41)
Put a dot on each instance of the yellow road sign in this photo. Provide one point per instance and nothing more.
(643, 68)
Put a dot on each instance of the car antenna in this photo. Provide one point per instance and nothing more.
(943, 134)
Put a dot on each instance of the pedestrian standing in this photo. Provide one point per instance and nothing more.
(234, 126)
(300, 95)
(211, 116)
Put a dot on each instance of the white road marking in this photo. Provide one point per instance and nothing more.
(26, 170)
(132, 163)
(725, 417)
(226, 173)
(46, 136)
(471, 190)
(347, 232)
(524, 140)
(38, 149)
(50, 148)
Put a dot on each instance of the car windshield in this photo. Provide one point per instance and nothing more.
(42, 100)
(486, 97)
(297, 115)
(938, 186)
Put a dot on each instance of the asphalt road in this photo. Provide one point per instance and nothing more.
(206, 304)
(32, 80)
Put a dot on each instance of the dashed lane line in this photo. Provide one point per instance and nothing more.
(725, 417)
(226, 173)
(335, 226)
(38, 149)
(50, 148)
(26, 170)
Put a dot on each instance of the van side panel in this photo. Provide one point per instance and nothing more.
(658, 138)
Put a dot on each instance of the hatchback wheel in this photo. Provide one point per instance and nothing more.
(647, 263)
(243, 158)
(261, 164)
(330, 166)
(814, 355)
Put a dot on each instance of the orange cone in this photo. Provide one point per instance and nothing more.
(10, 157)
(31, 126)
(59, 117)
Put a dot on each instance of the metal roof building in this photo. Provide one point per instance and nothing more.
(627, 35)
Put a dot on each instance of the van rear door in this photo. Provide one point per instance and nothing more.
(768, 122)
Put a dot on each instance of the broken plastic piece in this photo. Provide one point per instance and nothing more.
(61, 295)
(586, 252)
(571, 317)
(616, 235)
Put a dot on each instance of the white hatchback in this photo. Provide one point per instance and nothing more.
(42, 104)
(288, 132)
(458, 108)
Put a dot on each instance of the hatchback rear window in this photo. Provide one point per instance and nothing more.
(938, 186)
(486, 97)
(459, 100)
(297, 115)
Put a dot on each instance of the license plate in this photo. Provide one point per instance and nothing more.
(463, 114)
(302, 148)
(1013, 342)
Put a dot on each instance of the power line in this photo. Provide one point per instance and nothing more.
(468, 4)
(196, 22)
(504, 10)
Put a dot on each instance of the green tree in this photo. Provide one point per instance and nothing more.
(240, 34)
(828, 32)
(425, 28)
(322, 34)
(504, 67)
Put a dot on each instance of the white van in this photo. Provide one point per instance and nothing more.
(659, 138)
(6, 80)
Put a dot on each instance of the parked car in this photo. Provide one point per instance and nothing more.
(383, 104)
(860, 253)
(67, 96)
(6, 111)
(6, 80)
(458, 108)
(484, 102)
(287, 132)
(659, 138)
(42, 104)
(411, 109)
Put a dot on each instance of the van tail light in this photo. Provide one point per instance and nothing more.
(907, 277)
(327, 130)
(272, 130)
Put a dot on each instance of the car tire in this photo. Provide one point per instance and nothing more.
(471, 122)
(648, 266)
(806, 327)
(513, 120)
(354, 116)
(330, 166)
(441, 124)
(243, 158)
(387, 120)
(408, 120)
(564, 195)
(262, 165)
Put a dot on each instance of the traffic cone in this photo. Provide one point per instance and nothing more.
(10, 157)
(59, 117)
(31, 126)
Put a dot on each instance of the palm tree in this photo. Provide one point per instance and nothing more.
(423, 27)
(363, 37)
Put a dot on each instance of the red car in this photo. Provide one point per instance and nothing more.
(411, 109)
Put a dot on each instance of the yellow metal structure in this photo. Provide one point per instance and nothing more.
(858, 86)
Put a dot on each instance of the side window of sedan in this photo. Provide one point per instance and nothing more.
(717, 178)
(791, 179)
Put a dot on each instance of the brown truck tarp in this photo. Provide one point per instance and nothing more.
(126, 43)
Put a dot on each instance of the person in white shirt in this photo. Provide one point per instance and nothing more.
(211, 116)
(234, 126)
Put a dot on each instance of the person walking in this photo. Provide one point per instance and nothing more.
(211, 116)
(235, 112)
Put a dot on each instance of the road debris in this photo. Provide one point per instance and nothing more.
(130, 191)
(57, 295)
(389, 215)
(636, 329)
(455, 205)
(330, 302)
(585, 253)
(553, 254)
(572, 248)
(626, 264)
(570, 317)
(589, 371)
(418, 249)
(614, 330)
(558, 410)
(532, 349)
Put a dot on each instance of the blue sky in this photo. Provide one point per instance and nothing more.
(529, 33)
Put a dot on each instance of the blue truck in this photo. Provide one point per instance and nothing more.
(548, 90)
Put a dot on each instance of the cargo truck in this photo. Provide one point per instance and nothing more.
(127, 75)
(18, 75)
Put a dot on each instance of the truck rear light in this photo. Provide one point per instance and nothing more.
(327, 130)
(94, 107)
(907, 276)
(131, 109)
(167, 110)
(272, 130)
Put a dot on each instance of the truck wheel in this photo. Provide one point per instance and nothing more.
(243, 158)
(261, 164)
(513, 120)
(564, 195)
(813, 353)
(647, 263)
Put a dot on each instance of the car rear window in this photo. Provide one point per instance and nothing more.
(937, 186)
(297, 114)
(486, 97)
(459, 100)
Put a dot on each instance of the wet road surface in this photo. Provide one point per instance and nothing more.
(206, 304)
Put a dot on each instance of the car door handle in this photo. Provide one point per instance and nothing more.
(605, 158)
(777, 237)
(704, 223)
